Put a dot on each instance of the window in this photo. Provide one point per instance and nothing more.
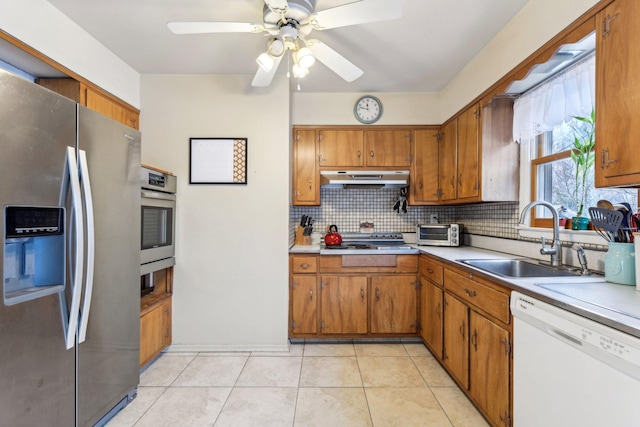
(553, 176)
(543, 123)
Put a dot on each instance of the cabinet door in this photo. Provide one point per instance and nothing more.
(424, 175)
(469, 153)
(341, 148)
(155, 331)
(303, 304)
(393, 304)
(431, 304)
(456, 339)
(617, 103)
(306, 188)
(167, 323)
(388, 148)
(448, 162)
(109, 108)
(490, 355)
(343, 303)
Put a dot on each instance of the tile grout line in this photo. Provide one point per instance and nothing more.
(232, 388)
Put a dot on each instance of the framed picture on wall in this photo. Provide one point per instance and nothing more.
(217, 160)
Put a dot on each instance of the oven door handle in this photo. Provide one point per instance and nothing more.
(158, 195)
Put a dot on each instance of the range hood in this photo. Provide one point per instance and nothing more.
(364, 179)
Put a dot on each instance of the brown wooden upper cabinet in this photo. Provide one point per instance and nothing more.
(306, 186)
(617, 103)
(388, 148)
(84, 95)
(341, 148)
(348, 148)
(424, 188)
(448, 161)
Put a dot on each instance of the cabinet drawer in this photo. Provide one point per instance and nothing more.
(368, 263)
(304, 264)
(431, 270)
(487, 299)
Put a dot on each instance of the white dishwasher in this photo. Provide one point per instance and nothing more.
(571, 371)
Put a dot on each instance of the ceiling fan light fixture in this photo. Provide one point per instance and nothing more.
(275, 47)
(305, 57)
(299, 71)
(265, 61)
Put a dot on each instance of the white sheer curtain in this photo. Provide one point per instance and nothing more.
(570, 93)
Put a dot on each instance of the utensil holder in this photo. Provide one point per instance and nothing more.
(301, 239)
(620, 264)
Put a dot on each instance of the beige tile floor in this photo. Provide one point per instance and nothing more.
(322, 385)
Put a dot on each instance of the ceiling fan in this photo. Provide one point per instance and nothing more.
(288, 23)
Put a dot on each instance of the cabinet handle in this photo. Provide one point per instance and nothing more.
(605, 159)
(304, 266)
(377, 294)
(606, 25)
(462, 329)
(310, 186)
(310, 294)
(430, 270)
(420, 184)
(371, 153)
(474, 340)
(439, 311)
(470, 292)
(459, 180)
(362, 294)
(359, 154)
(453, 182)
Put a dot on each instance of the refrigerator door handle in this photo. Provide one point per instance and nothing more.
(71, 173)
(90, 230)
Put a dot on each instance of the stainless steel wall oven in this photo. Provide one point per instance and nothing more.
(158, 206)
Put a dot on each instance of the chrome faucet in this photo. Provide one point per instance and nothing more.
(555, 250)
(582, 259)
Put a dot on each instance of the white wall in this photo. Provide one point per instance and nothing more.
(337, 108)
(231, 277)
(43, 27)
(537, 23)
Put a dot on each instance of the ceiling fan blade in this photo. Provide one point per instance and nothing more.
(213, 27)
(277, 4)
(263, 78)
(361, 12)
(334, 61)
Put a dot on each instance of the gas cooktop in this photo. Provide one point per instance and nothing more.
(369, 244)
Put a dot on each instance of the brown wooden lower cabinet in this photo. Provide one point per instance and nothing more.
(343, 304)
(477, 335)
(304, 306)
(431, 316)
(155, 330)
(394, 304)
(489, 362)
(339, 296)
(456, 339)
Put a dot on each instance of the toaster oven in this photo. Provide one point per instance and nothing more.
(438, 234)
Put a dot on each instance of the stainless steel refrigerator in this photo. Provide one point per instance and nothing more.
(70, 215)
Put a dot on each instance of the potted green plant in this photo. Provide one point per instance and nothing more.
(583, 158)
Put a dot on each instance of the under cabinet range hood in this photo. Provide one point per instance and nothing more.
(364, 179)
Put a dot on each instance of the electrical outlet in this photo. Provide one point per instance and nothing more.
(433, 219)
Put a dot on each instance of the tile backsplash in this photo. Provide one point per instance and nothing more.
(346, 208)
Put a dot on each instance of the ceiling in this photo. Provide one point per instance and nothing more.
(420, 52)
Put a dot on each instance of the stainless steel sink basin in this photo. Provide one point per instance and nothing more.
(519, 268)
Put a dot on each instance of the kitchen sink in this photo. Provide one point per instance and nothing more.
(519, 268)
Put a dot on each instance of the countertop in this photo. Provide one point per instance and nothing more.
(617, 306)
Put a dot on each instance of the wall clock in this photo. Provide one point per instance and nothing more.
(368, 109)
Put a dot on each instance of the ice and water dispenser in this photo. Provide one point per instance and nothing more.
(34, 252)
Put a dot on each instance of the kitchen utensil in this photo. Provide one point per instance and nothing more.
(332, 238)
(605, 204)
(608, 220)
